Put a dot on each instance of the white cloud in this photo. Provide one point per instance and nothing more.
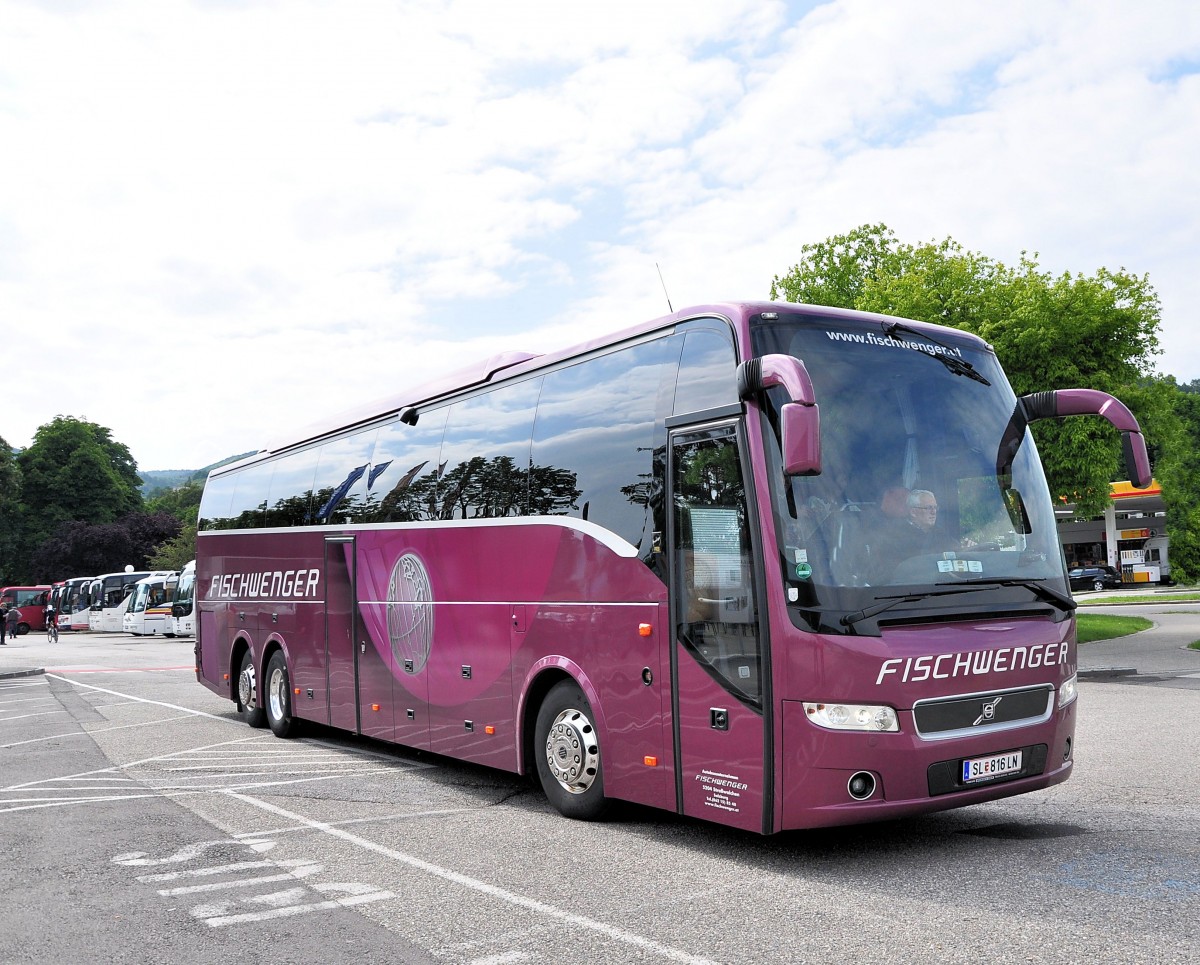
(225, 219)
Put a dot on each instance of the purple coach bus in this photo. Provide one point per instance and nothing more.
(647, 569)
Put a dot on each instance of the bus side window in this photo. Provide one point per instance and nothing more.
(289, 502)
(402, 479)
(592, 454)
(707, 371)
(485, 454)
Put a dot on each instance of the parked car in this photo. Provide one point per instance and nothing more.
(1094, 578)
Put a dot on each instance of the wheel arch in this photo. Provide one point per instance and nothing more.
(542, 676)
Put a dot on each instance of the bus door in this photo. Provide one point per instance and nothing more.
(717, 672)
(359, 684)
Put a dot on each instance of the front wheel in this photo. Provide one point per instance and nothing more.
(567, 751)
(279, 697)
(249, 702)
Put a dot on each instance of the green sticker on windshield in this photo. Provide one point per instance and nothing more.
(803, 571)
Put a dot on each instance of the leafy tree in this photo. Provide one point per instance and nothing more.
(84, 549)
(175, 553)
(182, 502)
(1050, 332)
(10, 513)
(75, 472)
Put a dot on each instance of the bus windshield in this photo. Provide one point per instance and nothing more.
(909, 505)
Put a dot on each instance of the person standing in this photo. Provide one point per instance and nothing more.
(9, 624)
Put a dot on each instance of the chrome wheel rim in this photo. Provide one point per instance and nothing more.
(572, 751)
(247, 688)
(277, 691)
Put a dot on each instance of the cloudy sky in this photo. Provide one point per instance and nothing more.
(223, 218)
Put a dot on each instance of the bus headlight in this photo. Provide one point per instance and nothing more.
(1068, 691)
(871, 717)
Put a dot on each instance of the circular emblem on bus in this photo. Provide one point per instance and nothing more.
(410, 611)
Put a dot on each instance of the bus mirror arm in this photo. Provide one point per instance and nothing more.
(800, 418)
(1060, 403)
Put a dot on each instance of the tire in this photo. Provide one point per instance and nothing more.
(249, 700)
(567, 752)
(278, 702)
(1098, 585)
(22, 629)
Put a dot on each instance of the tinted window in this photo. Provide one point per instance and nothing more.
(214, 503)
(707, 371)
(291, 489)
(485, 454)
(592, 444)
(250, 493)
(340, 489)
(401, 484)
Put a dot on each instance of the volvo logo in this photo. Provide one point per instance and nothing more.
(987, 711)
(410, 611)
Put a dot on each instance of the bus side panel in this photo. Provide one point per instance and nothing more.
(607, 643)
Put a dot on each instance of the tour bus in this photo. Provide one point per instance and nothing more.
(108, 595)
(74, 603)
(149, 609)
(30, 602)
(182, 600)
(679, 566)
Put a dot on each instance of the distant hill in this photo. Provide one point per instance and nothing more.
(156, 480)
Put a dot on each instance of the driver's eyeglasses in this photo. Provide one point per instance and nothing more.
(926, 509)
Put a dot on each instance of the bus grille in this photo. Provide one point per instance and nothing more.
(945, 717)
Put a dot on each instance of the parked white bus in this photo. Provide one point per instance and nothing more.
(183, 611)
(108, 594)
(149, 611)
(74, 601)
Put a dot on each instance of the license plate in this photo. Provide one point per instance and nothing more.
(985, 768)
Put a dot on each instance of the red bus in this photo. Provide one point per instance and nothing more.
(30, 601)
(679, 566)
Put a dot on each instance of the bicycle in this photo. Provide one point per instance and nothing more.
(52, 628)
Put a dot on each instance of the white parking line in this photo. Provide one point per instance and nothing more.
(532, 904)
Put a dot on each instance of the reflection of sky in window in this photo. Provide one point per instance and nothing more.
(294, 477)
(251, 488)
(493, 424)
(401, 447)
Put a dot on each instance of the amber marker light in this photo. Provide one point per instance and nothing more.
(226, 676)
(489, 730)
(296, 691)
(644, 629)
(650, 761)
(375, 707)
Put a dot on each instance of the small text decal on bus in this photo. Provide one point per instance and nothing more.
(946, 665)
(278, 584)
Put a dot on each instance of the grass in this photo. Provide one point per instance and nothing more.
(1194, 645)
(1098, 626)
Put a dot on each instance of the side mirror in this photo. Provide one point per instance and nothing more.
(800, 422)
(801, 439)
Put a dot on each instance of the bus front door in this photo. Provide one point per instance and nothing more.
(717, 677)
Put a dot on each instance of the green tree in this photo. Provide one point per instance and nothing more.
(1050, 332)
(10, 514)
(182, 502)
(175, 553)
(74, 471)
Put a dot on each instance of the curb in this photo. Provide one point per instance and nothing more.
(9, 674)
(1107, 673)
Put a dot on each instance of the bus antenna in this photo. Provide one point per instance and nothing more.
(670, 308)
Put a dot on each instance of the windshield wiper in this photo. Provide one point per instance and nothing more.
(850, 619)
(1047, 593)
(955, 364)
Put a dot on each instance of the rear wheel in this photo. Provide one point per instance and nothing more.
(567, 751)
(249, 702)
(1098, 585)
(279, 697)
